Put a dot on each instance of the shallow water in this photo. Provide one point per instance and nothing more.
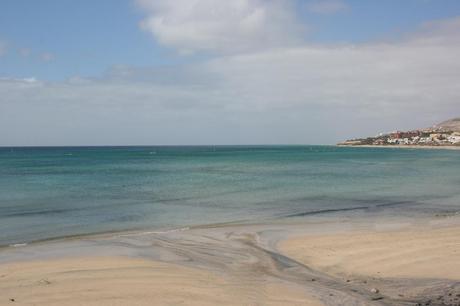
(56, 192)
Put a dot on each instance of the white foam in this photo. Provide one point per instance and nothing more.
(18, 245)
(181, 229)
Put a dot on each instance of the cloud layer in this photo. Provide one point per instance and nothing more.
(292, 93)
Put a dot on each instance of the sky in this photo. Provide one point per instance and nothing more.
(194, 72)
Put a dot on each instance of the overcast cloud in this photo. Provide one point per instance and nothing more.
(284, 92)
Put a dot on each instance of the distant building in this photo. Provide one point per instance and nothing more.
(379, 141)
(453, 139)
(434, 136)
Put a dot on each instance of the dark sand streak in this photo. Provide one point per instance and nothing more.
(242, 257)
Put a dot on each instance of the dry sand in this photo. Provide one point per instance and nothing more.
(242, 265)
(129, 281)
(412, 253)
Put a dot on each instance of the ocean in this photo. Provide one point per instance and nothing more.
(53, 192)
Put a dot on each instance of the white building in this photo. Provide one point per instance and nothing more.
(454, 139)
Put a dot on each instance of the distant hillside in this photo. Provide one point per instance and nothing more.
(449, 125)
(444, 134)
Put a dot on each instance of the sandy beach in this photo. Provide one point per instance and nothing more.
(411, 253)
(130, 281)
(338, 263)
(403, 147)
(221, 153)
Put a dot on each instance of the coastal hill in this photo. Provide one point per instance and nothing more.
(449, 125)
(444, 134)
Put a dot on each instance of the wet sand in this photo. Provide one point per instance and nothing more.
(302, 262)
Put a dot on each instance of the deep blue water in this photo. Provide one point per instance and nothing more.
(56, 192)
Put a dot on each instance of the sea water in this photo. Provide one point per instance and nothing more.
(51, 192)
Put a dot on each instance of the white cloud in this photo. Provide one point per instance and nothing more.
(18, 80)
(221, 26)
(326, 6)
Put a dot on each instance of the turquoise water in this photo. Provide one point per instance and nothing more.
(56, 192)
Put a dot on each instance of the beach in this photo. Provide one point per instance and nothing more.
(411, 253)
(131, 281)
(338, 261)
(214, 153)
(230, 225)
(452, 147)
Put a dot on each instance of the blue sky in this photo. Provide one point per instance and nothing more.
(85, 38)
(224, 72)
(374, 19)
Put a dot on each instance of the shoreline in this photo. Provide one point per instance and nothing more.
(324, 215)
(403, 147)
(232, 265)
(327, 214)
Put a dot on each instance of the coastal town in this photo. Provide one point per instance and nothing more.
(444, 134)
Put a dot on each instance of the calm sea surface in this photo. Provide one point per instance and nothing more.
(56, 192)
